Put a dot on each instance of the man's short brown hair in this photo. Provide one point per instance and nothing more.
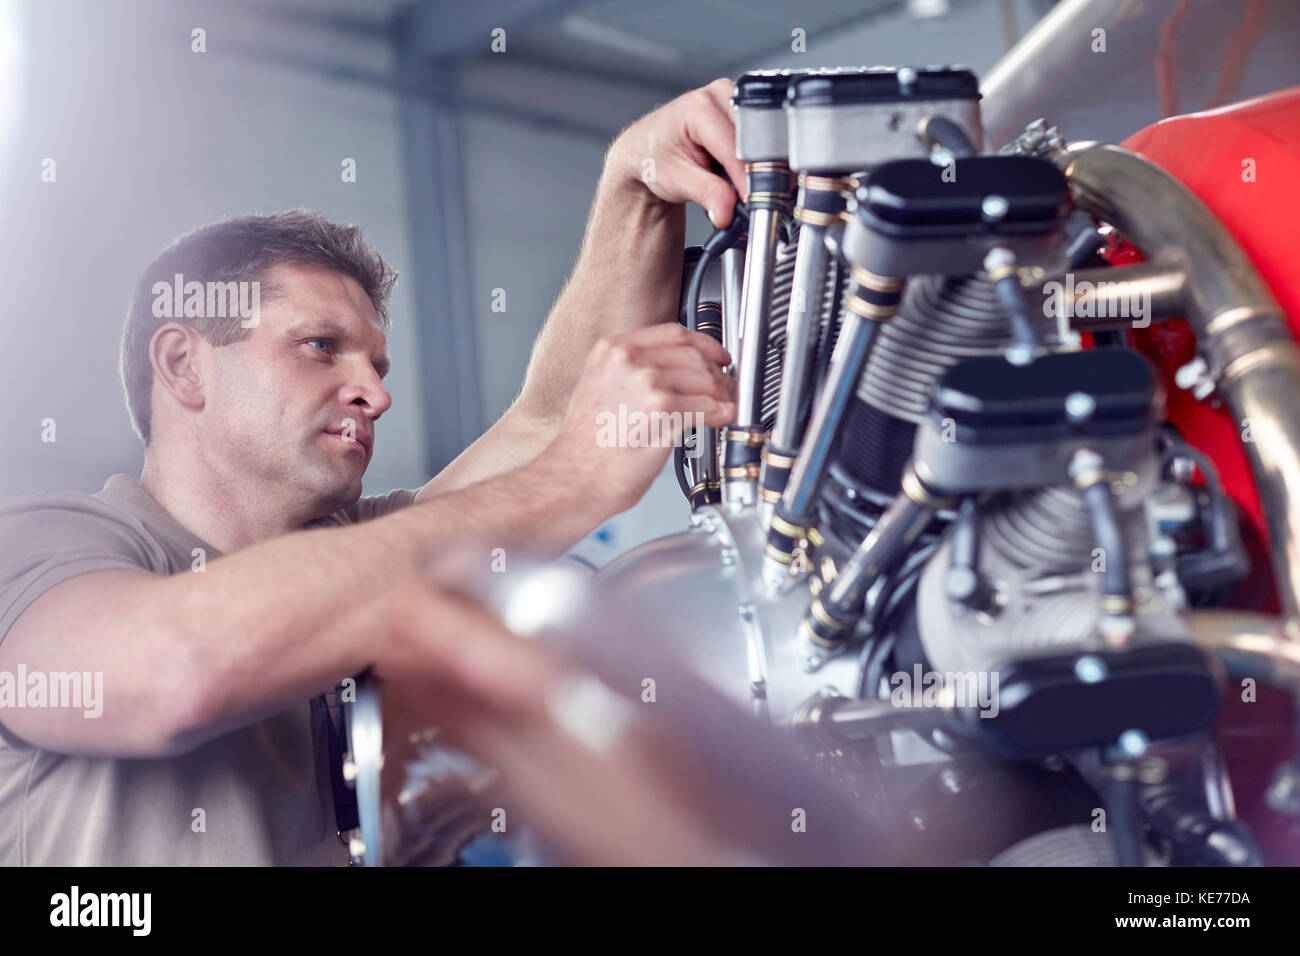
(243, 249)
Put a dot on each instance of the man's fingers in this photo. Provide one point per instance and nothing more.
(708, 190)
(678, 357)
(714, 128)
(690, 381)
(674, 335)
(716, 414)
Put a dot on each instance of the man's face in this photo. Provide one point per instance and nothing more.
(290, 411)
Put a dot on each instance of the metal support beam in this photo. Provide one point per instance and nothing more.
(440, 264)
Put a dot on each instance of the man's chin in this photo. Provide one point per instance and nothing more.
(334, 490)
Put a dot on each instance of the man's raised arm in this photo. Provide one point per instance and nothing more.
(628, 267)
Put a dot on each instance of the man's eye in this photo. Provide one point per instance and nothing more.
(325, 346)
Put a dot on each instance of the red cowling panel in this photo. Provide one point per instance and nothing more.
(1243, 161)
(1208, 153)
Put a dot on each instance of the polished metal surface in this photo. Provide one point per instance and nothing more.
(830, 139)
(703, 589)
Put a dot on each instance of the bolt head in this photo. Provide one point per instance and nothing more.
(1090, 669)
(1133, 743)
(994, 208)
(1020, 354)
(1079, 406)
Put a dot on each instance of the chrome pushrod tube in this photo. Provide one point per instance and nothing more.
(739, 476)
(801, 333)
(733, 271)
(756, 302)
(1240, 329)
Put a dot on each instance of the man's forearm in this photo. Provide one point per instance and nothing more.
(284, 619)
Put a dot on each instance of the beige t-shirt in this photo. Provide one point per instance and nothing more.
(264, 789)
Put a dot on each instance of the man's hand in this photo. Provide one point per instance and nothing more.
(637, 394)
(668, 152)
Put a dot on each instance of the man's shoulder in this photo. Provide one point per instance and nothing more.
(49, 537)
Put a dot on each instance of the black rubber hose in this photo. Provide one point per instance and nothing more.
(717, 244)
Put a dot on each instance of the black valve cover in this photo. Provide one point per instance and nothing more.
(1163, 690)
(992, 401)
(912, 198)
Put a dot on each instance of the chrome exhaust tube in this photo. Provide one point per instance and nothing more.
(1240, 329)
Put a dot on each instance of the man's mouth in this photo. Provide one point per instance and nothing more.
(362, 439)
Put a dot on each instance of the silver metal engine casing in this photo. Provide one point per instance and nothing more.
(703, 587)
(830, 139)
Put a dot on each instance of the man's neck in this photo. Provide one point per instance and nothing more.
(222, 514)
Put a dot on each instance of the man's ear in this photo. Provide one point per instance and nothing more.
(173, 354)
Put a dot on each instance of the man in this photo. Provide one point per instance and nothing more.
(243, 574)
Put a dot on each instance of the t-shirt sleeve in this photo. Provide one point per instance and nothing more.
(367, 509)
(47, 539)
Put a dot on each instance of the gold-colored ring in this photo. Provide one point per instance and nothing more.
(767, 166)
(1001, 272)
(770, 496)
(778, 199)
(776, 459)
(869, 310)
(824, 618)
(812, 217)
(701, 486)
(915, 489)
(1089, 477)
(815, 538)
(1116, 604)
(826, 184)
(747, 472)
(877, 283)
(781, 526)
(746, 436)
(778, 555)
(812, 637)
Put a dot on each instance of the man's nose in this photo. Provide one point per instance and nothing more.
(370, 394)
